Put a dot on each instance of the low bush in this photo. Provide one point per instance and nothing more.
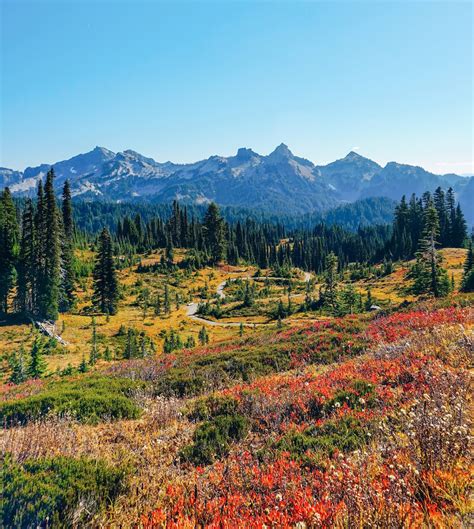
(342, 435)
(212, 439)
(57, 492)
(86, 399)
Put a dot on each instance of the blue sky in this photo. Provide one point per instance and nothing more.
(184, 80)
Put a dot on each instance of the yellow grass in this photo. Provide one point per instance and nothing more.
(391, 288)
(78, 329)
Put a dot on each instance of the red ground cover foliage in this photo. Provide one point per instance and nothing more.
(401, 463)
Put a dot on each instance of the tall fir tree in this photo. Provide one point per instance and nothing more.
(203, 336)
(106, 288)
(451, 214)
(429, 276)
(67, 250)
(167, 302)
(26, 262)
(9, 238)
(214, 233)
(39, 249)
(51, 280)
(439, 201)
(401, 246)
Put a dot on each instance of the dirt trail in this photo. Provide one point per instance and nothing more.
(192, 308)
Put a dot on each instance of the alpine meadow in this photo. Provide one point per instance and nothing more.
(249, 340)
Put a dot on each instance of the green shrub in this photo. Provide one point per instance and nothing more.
(344, 435)
(87, 399)
(57, 492)
(212, 439)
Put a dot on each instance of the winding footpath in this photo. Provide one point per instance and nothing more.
(192, 308)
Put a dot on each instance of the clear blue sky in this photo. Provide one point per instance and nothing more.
(184, 80)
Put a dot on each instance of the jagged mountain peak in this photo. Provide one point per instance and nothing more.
(281, 152)
(103, 151)
(244, 153)
(352, 155)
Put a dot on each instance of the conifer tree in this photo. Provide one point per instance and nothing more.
(468, 275)
(39, 248)
(130, 350)
(157, 306)
(203, 336)
(106, 290)
(83, 368)
(67, 250)
(214, 233)
(107, 354)
(37, 365)
(190, 342)
(144, 301)
(27, 274)
(429, 276)
(349, 299)
(369, 301)
(451, 214)
(9, 238)
(439, 201)
(401, 243)
(51, 281)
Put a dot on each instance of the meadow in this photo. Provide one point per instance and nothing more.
(360, 420)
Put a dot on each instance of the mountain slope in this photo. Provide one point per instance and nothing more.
(395, 176)
(349, 175)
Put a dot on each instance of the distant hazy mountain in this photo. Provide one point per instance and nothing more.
(278, 182)
(349, 176)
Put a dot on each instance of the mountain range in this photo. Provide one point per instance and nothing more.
(278, 182)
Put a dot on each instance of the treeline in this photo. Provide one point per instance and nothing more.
(275, 246)
(264, 244)
(91, 217)
(410, 218)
